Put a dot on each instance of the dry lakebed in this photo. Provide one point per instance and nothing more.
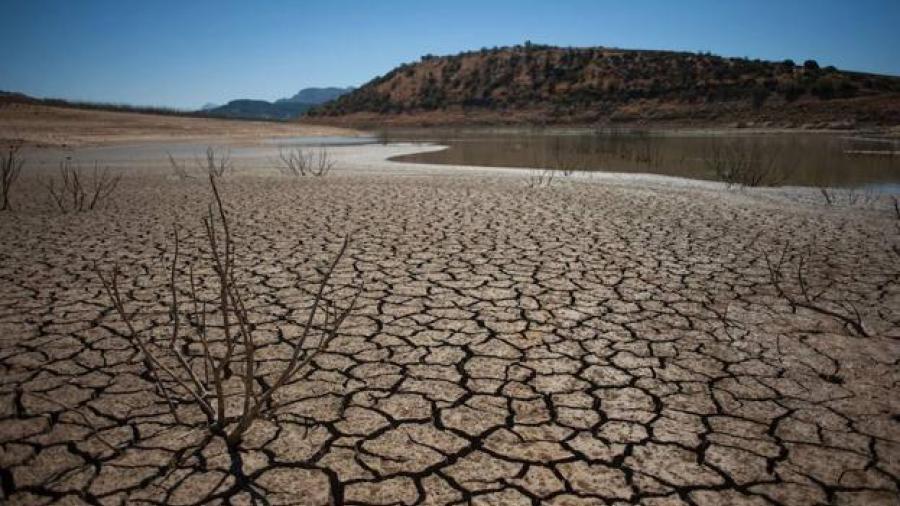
(607, 339)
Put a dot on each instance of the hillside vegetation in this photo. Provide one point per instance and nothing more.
(538, 84)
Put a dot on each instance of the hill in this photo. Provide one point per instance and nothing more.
(544, 84)
(9, 98)
(259, 109)
(316, 95)
(282, 109)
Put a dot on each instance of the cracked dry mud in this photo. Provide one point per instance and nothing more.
(590, 343)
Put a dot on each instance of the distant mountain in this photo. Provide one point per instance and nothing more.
(209, 105)
(537, 84)
(259, 109)
(10, 97)
(14, 96)
(236, 109)
(316, 95)
(281, 109)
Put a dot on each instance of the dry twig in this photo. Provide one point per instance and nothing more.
(10, 169)
(808, 298)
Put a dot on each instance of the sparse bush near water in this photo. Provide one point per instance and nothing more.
(735, 161)
(209, 359)
(299, 162)
(740, 163)
(538, 178)
(848, 196)
(560, 162)
(635, 146)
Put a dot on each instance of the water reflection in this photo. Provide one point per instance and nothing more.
(809, 159)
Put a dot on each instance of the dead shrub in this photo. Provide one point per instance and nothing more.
(738, 163)
(77, 190)
(193, 363)
(216, 164)
(849, 196)
(298, 162)
(179, 169)
(538, 178)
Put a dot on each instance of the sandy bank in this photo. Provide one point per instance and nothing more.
(56, 126)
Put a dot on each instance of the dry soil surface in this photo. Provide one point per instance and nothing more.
(58, 126)
(606, 340)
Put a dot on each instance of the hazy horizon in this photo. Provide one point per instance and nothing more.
(184, 56)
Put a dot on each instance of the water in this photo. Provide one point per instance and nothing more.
(321, 141)
(806, 159)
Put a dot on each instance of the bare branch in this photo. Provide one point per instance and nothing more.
(216, 164)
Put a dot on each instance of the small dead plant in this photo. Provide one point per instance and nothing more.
(738, 163)
(216, 367)
(298, 162)
(538, 178)
(10, 169)
(215, 163)
(75, 189)
(802, 294)
(851, 197)
(564, 160)
(179, 169)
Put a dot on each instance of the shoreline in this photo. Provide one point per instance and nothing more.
(255, 157)
(632, 178)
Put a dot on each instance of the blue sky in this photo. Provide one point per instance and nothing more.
(189, 52)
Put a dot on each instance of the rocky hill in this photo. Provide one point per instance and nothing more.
(544, 84)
